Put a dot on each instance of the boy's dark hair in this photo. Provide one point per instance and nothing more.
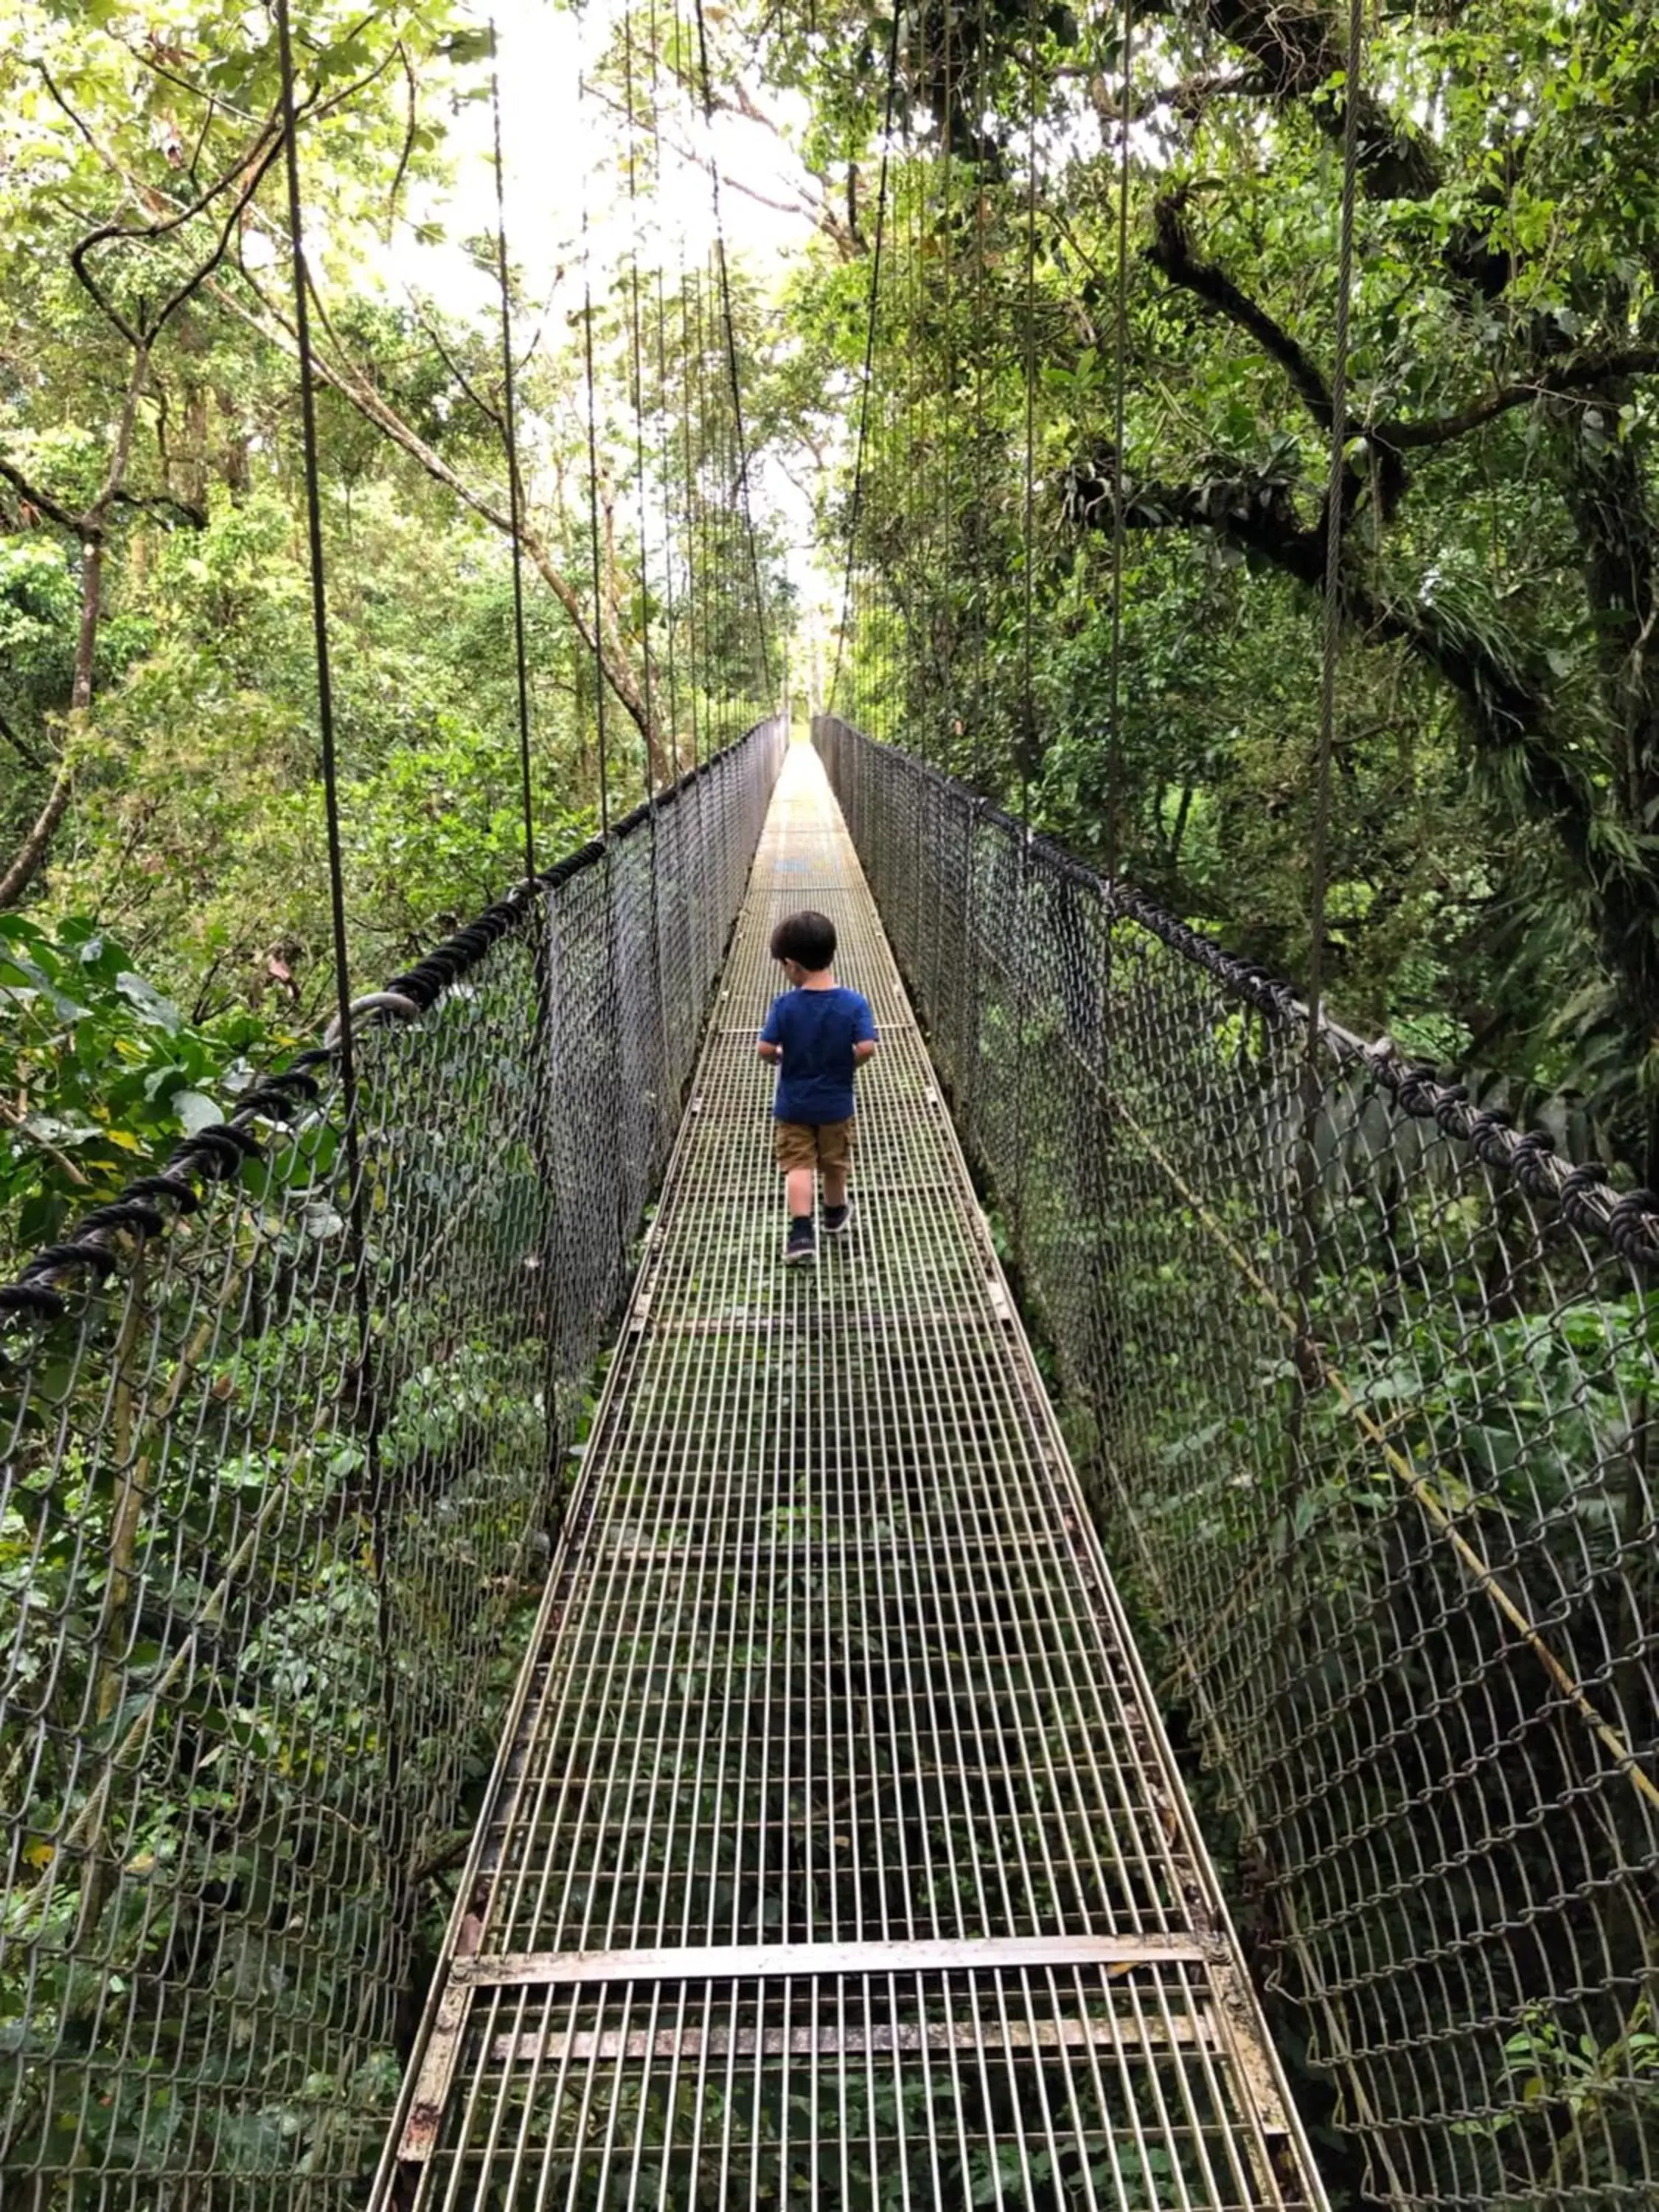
(807, 938)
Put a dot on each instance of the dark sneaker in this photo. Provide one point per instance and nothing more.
(835, 1218)
(801, 1244)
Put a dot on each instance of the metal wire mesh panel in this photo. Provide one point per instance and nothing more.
(1367, 1377)
(833, 1846)
(276, 1503)
(1090, 2087)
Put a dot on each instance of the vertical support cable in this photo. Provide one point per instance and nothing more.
(669, 649)
(1028, 697)
(637, 368)
(1330, 643)
(637, 379)
(671, 646)
(599, 730)
(743, 504)
(610, 1070)
(1307, 1359)
(1115, 749)
(515, 509)
(318, 593)
(977, 766)
(693, 518)
(946, 472)
(869, 357)
(400, 1903)
(1114, 728)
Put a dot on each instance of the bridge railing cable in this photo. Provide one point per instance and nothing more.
(1367, 1393)
(274, 1501)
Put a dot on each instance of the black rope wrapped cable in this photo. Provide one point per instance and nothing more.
(128, 1213)
(183, 1196)
(215, 1154)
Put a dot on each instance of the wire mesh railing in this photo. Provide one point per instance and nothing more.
(1366, 1378)
(282, 1458)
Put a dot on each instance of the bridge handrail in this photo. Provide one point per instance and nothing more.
(1364, 1378)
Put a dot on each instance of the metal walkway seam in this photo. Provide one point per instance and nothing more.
(835, 1848)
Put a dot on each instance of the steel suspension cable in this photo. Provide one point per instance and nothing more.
(319, 599)
(744, 500)
(653, 741)
(1028, 697)
(981, 661)
(637, 383)
(1114, 708)
(703, 562)
(362, 1364)
(946, 517)
(690, 460)
(600, 728)
(693, 516)
(670, 641)
(1309, 1181)
(516, 507)
(1330, 642)
(905, 553)
(869, 352)
(669, 612)
(1027, 736)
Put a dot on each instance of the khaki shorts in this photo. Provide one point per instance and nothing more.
(799, 1145)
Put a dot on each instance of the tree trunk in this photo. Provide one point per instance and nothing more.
(31, 852)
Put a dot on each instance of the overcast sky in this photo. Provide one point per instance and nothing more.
(563, 158)
(563, 163)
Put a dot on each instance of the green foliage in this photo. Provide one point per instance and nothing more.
(98, 1072)
(1495, 775)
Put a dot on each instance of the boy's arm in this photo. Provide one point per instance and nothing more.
(769, 1047)
(864, 1033)
(862, 1050)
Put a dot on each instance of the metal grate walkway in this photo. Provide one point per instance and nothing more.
(834, 1850)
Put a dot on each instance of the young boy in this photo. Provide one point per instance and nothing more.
(819, 1035)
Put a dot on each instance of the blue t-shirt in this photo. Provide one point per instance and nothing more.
(817, 1030)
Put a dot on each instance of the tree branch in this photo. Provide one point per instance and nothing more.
(407, 152)
(160, 503)
(1171, 252)
(16, 879)
(353, 386)
(250, 166)
(20, 745)
(818, 212)
(491, 414)
(1559, 381)
(103, 232)
(1297, 46)
(1509, 711)
(43, 499)
(1189, 97)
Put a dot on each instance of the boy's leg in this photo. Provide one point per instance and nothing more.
(794, 1147)
(819, 1155)
(835, 1161)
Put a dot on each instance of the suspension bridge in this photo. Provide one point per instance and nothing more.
(510, 1696)
(833, 1844)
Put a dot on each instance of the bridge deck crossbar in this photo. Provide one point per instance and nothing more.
(832, 1723)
